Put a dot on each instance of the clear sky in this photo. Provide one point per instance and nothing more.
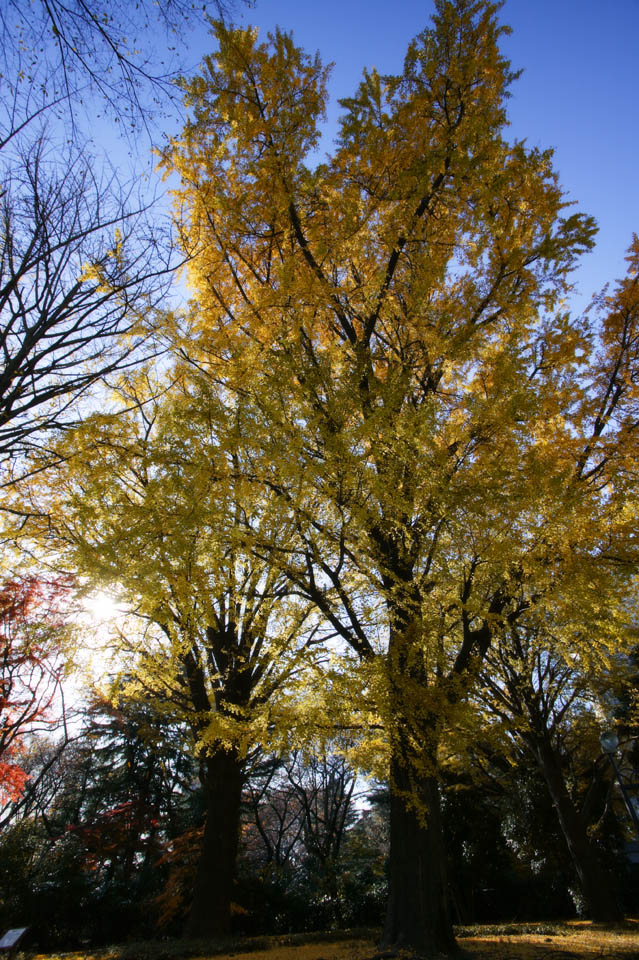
(579, 92)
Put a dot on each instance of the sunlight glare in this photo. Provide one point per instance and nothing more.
(101, 607)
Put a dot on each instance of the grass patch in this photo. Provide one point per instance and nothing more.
(294, 945)
(572, 940)
(236, 946)
(522, 929)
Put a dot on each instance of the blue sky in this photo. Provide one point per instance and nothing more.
(579, 92)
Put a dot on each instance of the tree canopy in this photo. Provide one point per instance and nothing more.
(402, 303)
(380, 452)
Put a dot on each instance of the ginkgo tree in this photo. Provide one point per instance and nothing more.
(151, 501)
(428, 418)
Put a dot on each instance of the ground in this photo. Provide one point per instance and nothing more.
(567, 941)
(526, 941)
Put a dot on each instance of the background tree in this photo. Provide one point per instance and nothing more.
(506, 855)
(82, 860)
(82, 263)
(325, 790)
(82, 271)
(298, 811)
(58, 56)
(549, 706)
(32, 647)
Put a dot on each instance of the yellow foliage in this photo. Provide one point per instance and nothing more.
(427, 417)
(382, 423)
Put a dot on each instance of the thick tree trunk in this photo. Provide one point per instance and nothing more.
(418, 915)
(596, 882)
(211, 908)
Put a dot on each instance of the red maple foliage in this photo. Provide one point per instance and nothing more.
(31, 625)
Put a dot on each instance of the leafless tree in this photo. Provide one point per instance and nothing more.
(300, 807)
(81, 271)
(84, 260)
(121, 57)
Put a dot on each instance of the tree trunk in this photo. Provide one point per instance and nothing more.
(211, 908)
(418, 915)
(596, 882)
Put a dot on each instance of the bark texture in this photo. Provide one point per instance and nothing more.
(418, 914)
(211, 908)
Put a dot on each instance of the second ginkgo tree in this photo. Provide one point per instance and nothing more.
(151, 501)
